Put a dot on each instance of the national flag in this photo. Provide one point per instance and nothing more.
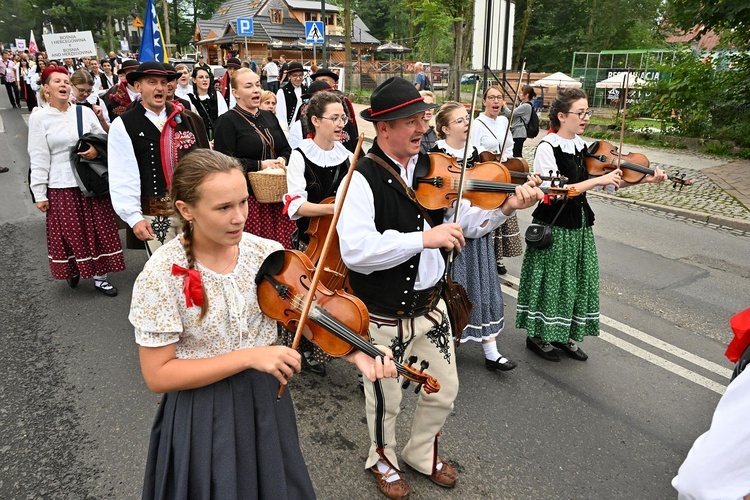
(33, 49)
(152, 43)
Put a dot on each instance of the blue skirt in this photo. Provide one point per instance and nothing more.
(474, 267)
(228, 440)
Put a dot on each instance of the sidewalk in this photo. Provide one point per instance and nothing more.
(720, 193)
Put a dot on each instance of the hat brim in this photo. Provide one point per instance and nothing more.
(134, 76)
(329, 74)
(406, 111)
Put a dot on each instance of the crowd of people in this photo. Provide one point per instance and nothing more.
(179, 148)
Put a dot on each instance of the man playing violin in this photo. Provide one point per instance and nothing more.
(393, 248)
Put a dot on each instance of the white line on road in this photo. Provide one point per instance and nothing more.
(652, 358)
(2, 125)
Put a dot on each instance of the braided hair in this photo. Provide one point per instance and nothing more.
(189, 175)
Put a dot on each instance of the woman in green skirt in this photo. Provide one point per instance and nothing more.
(558, 297)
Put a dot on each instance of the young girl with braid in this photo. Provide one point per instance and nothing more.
(220, 431)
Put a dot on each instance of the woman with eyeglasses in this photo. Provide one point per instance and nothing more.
(558, 296)
(82, 87)
(474, 266)
(491, 132)
(316, 168)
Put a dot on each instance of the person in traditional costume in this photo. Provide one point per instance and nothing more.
(205, 99)
(120, 97)
(82, 237)
(220, 431)
(289, 96)
(225, 82)
(254, 137)
(144, 146)
(558, 295)
(393, 249)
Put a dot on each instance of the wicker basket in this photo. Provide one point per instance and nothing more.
(269, 186)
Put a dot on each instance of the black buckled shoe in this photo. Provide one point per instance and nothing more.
(106, 288)
(542, 349)
(572, 350)
(312, 364)
(502, 363)
(501, 269)
(73, 282)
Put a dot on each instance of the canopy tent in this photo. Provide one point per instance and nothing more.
(621, 81)
(557, 80)
(391, 48)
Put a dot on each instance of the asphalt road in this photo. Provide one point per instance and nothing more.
(75, 415)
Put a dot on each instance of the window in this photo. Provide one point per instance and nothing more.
(276, 15)
(311, 16)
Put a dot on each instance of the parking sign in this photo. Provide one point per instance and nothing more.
(245, 26)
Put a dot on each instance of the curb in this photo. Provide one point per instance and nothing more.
(739, 224)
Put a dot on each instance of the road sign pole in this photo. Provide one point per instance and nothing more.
(323, 14)
(246, 55)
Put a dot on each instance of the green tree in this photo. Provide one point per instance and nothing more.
(730, 17)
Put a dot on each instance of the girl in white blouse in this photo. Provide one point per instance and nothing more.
(205, 343)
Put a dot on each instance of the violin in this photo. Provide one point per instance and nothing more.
(519, 168)
(486, 185)
(334, 273)
(603, 157)
(338, 321)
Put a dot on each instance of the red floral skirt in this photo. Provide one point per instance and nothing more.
(267, 221)
(82, 235)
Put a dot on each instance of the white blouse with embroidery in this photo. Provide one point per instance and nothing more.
(233, 321)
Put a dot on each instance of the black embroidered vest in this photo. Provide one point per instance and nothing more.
(291, 102)
(392, 288)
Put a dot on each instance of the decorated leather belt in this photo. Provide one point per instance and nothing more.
(418, 303)
(155, 205)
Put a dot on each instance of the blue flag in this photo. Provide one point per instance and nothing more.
(152, 43)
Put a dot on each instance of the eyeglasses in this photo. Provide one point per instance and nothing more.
(494, 98)
(82, 91)
(343, 120)
(461, 121)
(581, 114)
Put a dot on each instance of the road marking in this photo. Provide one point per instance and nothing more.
(650, 357)
(2, 125)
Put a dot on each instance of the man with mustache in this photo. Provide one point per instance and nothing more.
(144, 145)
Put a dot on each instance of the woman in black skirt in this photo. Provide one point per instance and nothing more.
(220, 431)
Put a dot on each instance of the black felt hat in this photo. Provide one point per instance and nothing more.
(393, 99)
(316, 87)
(128, 64)
(325, 72)
(234, 62)
(150, 68)
(294, 67)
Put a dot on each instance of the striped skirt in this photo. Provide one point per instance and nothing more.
(558, 296)
(82, 235)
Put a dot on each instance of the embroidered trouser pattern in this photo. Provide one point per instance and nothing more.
(165, 229)
(429, 338)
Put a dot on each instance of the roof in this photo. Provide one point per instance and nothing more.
(215, 30)
(707, 41)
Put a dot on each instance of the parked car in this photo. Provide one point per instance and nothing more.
(470, 78)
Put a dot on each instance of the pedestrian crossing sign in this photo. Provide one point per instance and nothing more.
(314, 32)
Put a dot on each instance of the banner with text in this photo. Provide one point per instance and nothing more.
(63, 45)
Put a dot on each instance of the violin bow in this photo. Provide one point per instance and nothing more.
(624, 110)
(467, 147)
(307, 303)
(513, 111)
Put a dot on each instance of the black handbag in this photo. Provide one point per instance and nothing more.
(540, 235)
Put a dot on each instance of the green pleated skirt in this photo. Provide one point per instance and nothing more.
(558, 296)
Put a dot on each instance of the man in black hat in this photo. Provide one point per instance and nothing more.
(299, 131)
(119, 98)
(289, 97)
(144, 146)
(225, 82)
(393, 249)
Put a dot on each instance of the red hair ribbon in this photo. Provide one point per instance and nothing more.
(288, 201)
(193, 287)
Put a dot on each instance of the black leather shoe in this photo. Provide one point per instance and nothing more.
(542, 349)
(505, 366)
(73, 282)
(501, 269)
(106, 288)
(572, 350)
